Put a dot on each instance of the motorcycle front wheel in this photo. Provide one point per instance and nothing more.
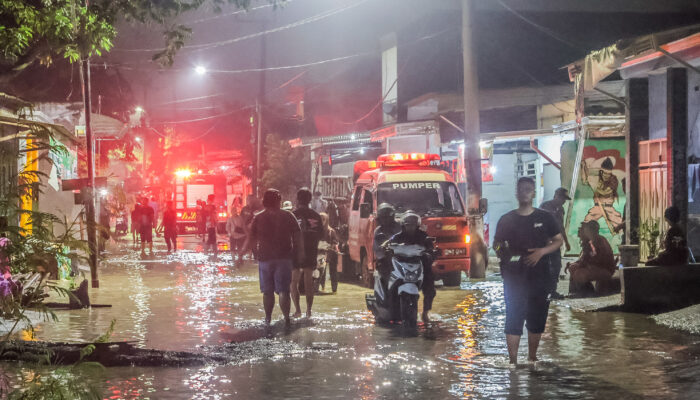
(409, 310)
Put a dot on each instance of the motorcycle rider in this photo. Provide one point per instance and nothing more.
(412, 234)
(387, 227)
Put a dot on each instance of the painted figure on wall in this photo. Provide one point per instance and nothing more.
(599, 194)
(605, 186)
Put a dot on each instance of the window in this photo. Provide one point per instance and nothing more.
(356, 198)
(367, 199)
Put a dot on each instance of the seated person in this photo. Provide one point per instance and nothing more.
(675, 245)
(596, 262)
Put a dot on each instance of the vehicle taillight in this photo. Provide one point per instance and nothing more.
(179, 215)
(467, 239)
(222, 214)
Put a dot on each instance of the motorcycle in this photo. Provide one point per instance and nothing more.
(397, 299)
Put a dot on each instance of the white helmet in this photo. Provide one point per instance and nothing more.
(410, 217)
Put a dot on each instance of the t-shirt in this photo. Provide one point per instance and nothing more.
(312, 231)
(556, 210)
(523, 232)
(273, 231)
(169, 220)
(146, 217)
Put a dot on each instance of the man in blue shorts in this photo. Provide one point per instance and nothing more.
(275, 238)
(523, 238)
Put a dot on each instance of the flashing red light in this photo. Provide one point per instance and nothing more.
(179, 215)
(410, 158)
(183, 173)
(467, 239)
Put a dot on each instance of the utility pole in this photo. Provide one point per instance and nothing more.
(477, 249)
(258, 175)
(90, 203)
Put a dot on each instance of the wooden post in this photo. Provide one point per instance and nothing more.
(636, 130)
(677, 143)
(472, 153)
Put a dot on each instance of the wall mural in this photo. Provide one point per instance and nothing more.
(599, 193)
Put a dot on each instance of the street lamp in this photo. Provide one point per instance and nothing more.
(200, 70)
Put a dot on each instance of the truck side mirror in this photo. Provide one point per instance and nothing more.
(483, 206)
(365, 210)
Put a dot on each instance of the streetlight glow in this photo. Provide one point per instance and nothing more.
(138, 109)
(200, 70)
(138, 139)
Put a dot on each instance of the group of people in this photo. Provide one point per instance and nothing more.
(286, 244)
(528, 243)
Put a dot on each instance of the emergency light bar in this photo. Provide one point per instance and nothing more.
(406, 159)
(183, 173)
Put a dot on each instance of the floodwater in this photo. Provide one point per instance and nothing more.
(188, 302)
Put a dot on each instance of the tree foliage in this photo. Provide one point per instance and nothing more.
(284, 168)
(32, 30)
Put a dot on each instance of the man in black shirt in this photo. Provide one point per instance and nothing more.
(412, 234)
(524, 237)
(312, 231)
(275, 239)
(556, 208)
(169, 225)
(675, 244)
(147, 215)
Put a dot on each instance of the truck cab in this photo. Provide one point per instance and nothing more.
(409, 181)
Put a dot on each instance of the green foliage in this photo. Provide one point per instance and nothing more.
(51, 236)
(649, 233)
(40, 29)
(284, 168)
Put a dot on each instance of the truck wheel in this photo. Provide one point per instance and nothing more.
(453, 278)
(367, 276)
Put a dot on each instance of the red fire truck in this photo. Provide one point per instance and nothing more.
(409, 181)
(191, 187)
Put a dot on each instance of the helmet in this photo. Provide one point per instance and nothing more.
(385, 210)
(410, 217)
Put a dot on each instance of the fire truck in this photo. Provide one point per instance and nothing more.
(191, 187)
(408, 181)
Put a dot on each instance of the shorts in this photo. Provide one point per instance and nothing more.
(275, 275)
(146, 235)
(526, 296)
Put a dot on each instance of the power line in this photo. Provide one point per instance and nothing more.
(206, 46)
(187, 99)
(545, 30)
(199, 21)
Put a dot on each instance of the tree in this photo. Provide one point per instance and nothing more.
(38, 30)
(284, 168)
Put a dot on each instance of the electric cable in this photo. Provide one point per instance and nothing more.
(543, 29)
(206, 46)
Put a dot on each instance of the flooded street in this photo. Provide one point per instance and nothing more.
(188, 302)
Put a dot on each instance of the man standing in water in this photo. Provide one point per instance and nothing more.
(556, 208)
(312, 232)
(275, 239)
(523, 238)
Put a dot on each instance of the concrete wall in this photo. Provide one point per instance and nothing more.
(657, 106)
(501, 192)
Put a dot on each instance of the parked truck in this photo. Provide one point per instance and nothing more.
(191, 187)
(408, 181)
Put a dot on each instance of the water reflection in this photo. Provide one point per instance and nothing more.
(189, 301)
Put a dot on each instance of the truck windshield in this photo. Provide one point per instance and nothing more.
(425, 198)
